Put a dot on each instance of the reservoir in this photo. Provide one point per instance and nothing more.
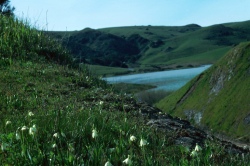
(167, 80)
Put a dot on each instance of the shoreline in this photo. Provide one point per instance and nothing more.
(130, 72)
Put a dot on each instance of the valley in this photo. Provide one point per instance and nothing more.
(152, 48)
(57, 110)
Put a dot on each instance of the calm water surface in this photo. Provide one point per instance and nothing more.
(167, 80)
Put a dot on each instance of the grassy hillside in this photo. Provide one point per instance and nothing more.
(55, 112)
(106, 71)
(155, 48)
(96, 47)
(219, 97)
(187, 41)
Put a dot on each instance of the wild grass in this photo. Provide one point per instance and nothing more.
(53, 113)
(226, 111)
(130, 88)
(152, 96)
(105, 71)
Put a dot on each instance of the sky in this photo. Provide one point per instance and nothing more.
(71, 15)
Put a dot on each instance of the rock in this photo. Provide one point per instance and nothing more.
(217, 81)
(185, 134)
(246, 119)
(186, 141)
(189, 114)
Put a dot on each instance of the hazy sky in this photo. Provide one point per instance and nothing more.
(79, 14)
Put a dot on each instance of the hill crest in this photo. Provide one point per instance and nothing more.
(155, 48)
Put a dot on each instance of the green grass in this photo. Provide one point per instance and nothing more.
(105, 71)
(189, 47)
(49, 109)
(226, 111)
(152, 96)
(130, 88)
(203, 58)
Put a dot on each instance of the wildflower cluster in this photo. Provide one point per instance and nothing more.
(196, 150)
(132, 138)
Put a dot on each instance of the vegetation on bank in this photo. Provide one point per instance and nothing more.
(152, 96)
(221, 96)
(105, 71)
(130, 88)
(54, 112)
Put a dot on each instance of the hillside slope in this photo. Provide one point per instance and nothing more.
(219, 97)
(183, 45)
(154, 48)
(55, 112)
(96, 47)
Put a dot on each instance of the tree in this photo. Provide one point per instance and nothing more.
(5, 8)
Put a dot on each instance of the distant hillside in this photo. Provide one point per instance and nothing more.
(150, 48)
(96, 47)
(219, 97)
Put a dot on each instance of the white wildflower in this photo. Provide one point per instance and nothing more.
(132, 138)
(32, 130)
(54, 146)
(197, 148)
(18, 136)
(143, 142)
(8, 122)
(31, 114)
(55, 135)
(3, 146)
(127, 160)
(194, 153)
(94, 133)
(108, 164)
(24, 128)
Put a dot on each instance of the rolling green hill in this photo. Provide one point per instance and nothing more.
(219, 97)
(154, 48)
(53, 111)
(189, 44)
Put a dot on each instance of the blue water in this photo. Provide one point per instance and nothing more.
(167, 80)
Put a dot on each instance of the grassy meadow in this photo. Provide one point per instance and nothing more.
(55, 112)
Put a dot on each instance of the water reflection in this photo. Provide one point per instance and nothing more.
(167, 80)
